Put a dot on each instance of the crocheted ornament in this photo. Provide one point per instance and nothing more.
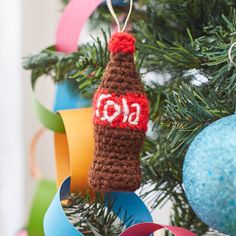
(120, 121)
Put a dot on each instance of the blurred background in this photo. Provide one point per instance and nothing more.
(26, 27)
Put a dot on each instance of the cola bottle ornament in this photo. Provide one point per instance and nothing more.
(120, 121)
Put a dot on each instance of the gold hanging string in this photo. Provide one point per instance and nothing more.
(111, 9)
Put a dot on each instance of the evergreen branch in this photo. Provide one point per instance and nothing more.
(85, 67)
(94, 219)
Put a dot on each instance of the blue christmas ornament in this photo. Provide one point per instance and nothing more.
(119, 3)
(209, 175)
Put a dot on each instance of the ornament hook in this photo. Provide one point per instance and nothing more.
(111, 9)
(230, 54)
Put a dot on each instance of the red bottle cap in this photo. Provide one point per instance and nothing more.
(122, 42)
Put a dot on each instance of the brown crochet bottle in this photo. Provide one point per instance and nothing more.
(120, 121)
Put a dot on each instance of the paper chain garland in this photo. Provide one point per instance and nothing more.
(74, 149)
(44, 194)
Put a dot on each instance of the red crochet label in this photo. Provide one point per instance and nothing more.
(123, 111)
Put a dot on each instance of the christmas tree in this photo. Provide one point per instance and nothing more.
(182, 55)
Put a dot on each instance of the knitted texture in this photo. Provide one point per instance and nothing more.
(122, 42)
(120, 121)
(124, 111)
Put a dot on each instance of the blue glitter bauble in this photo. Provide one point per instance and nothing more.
(209, 175)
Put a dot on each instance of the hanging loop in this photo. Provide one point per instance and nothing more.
(33, 166)
(111, 9)
(230, 54)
